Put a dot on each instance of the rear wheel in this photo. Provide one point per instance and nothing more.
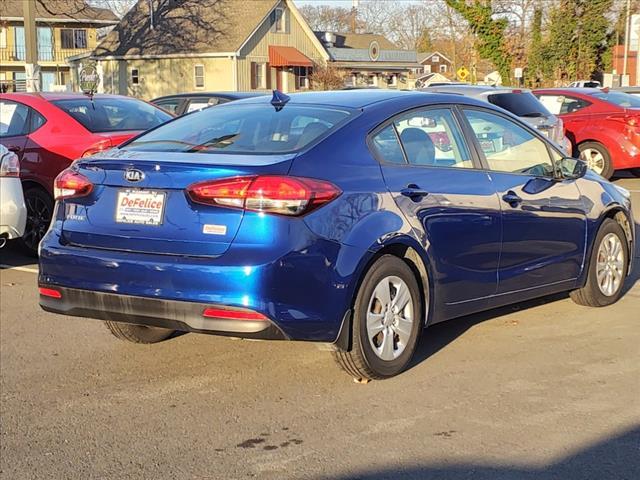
(607, 268)
(597, 158)
(138, 333)
(387, 321)
(39, 211)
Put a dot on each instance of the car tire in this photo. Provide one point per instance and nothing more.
(609, 260)
(635, 172)
(138, 333)
(597, 158)
(39, 212)
(384, 334)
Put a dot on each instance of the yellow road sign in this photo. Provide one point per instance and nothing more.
(462, 73)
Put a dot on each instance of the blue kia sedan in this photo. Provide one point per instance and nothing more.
(355, 218)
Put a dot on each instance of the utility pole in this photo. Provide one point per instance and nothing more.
(31, 68)
(626, 39)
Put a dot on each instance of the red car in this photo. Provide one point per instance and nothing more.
(603, 126)
(48, 131)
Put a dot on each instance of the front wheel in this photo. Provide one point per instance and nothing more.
(387, 320)
(138, 333)
(607, 268)
(597, 158)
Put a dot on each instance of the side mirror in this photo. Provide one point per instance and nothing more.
(572, 167)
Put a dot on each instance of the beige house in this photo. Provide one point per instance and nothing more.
(64, 29)
(208, 45)
(164, 47)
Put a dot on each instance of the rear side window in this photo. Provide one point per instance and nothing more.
(523, 104)
(619, 98)
(113, 114)
(13, 119)
(561, 104)
(386, 145)
(249, 129)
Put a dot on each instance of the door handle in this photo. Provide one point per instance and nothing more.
(414, 192)
(14, 148)
(512, 198)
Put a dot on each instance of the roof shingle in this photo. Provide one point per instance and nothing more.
(185, 27)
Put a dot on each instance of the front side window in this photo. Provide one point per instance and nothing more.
(198, 72)
(112, 114)
(508, 147)
(432, 138)
(243, 129)
(170, 105)
(13, 119)
(560, 104)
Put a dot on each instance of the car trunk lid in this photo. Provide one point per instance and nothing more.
(139, 202)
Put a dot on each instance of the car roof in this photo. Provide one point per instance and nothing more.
(474, 89)
(228, 95)
(346, 98)
(53, 96)
(569, 91)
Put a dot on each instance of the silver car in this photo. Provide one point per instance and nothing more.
(519, 101)
(13, 212)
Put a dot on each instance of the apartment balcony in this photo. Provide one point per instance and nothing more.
(47, 56)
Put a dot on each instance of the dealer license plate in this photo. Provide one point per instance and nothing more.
(140, 207)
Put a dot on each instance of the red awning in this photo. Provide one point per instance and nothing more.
(280, 56)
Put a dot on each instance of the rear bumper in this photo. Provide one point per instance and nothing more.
(176, 315)
(303, 287)
(13, 212)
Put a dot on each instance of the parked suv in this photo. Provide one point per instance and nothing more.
(520, 102)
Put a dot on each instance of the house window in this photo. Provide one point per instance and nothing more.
(3, 37)
(443, 68)
(135, 76)
(435, 59)
(393, 80)
(302, 77)
(73, 38)
(280, 20)
(258, 75)
(198, 72)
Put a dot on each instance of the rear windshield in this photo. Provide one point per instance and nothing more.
(619, 98)
(113, 114)
(250, 128)
(523, 104)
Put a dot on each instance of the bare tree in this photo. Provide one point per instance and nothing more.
(327, 18)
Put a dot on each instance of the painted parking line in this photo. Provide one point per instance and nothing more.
(19, 269)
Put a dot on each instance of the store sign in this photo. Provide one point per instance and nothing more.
(89, 78)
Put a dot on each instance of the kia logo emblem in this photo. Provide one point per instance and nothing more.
(133, 175)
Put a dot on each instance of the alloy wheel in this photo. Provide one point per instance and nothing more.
(594, 158)
(390, 317)
(38, 218)
(610, 264)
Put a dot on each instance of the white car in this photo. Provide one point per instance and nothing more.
(585, 84)
(13, 212)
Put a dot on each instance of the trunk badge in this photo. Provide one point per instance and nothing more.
(133, 175)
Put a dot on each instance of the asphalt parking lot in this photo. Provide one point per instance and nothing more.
(544, 390)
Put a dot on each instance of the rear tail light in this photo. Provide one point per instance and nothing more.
(10, 165)
(268, 193)
(98, 147)
(50, 292)
(71, 184)
(230, 314)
